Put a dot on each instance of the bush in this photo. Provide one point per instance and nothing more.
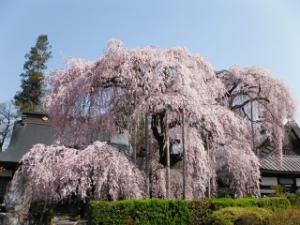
(40, 213)
(294, 199)
(248, 219)
(241, 216)
(286, 217)
(219, 203)
(273, 203)
(173, 212)
(102, 212)
(278, 190)
(200, 212)
(140, 212)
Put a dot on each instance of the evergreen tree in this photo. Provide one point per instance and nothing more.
(29, 98)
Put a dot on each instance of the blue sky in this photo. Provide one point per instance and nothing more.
(263, 33)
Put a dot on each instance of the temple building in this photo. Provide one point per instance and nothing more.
(284, 172)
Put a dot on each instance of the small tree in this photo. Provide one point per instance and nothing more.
(7, 118)
(29, 98)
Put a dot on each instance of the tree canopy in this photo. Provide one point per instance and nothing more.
(227, 115)
(29, 98)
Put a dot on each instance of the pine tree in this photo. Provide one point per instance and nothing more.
(29, 98)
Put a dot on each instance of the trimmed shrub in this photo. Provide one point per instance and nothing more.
(102, 212)
(273, 203)
(219, 203)
(174, 212)
(241, 216)
(139, 212)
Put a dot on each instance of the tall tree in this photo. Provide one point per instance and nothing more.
(29, 98)
(113, 91)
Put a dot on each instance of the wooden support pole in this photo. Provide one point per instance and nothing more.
(167, 157)
(208, 157)
(147, 155)
(135, 141)
(183, 157)
(150, 166)
(252, 128)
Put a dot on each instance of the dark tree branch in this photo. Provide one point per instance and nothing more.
(249, 101)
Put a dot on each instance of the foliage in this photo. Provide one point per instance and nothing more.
(40, 213)
(249, 219)
(294, 199)
(29, 98)
(286, 217)
(225, 192)
(200, 211)
(7, 118)
(219, 203)
(278, 190)
(272, 203)
(98, 172)
(234, 215)
(140, 212)
(195, 212)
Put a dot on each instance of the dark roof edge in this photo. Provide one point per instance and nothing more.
(279, 172)
(35, 113)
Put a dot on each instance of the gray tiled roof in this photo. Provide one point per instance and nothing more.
(24, 136)
(290, 164)
(32, 129)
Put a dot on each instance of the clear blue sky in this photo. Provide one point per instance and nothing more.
(263, 33)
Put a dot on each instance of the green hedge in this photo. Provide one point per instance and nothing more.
(139, 212)
(273, 203)
(172, 212)
(240, 215)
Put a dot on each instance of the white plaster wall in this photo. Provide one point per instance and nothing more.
(269, 181)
